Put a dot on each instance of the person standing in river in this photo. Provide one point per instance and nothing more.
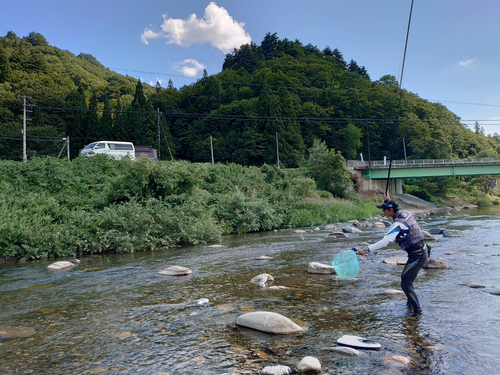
(408, 235)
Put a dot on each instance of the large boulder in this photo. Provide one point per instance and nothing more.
(435, 263)
(350, 230)
(262, 278)
(309, 365)
(315, 267)
(175, 271)
(61, 265)
(428, 236)
(268, 322)
(453, 233)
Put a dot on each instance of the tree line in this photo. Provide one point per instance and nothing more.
(280, 86)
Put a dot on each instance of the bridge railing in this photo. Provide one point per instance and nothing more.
(421, 162)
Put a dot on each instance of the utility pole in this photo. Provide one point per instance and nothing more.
(277, 152)
(212, 149)
(67, 147)
(368, 139)
(159, 134)
(25, 156)
(404, 147)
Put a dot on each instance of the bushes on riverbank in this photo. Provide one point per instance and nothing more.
(53, 208)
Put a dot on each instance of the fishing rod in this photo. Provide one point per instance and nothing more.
(400, 99)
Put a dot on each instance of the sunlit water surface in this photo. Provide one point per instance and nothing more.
(114, 314)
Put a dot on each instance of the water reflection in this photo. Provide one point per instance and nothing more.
(114, 314)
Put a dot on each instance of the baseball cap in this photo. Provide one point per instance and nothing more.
(389, 204)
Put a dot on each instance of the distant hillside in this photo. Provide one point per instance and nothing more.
(279, 86)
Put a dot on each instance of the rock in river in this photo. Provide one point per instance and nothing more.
(315, 267)
(435, 263)
(350, 229)
(453, 233)
(393, 292)
(175, 271)
(396, 260)
(276, 370)
(262, 278)
(270, 322)
(346, 351)
(309, 365)
(436, 230)
(428, 236)
(61, 265)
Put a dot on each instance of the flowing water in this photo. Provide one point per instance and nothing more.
(114, 314)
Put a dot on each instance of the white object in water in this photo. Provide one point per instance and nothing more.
(358, 342)
(202, 301)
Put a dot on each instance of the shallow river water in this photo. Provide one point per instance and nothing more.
(114, 314)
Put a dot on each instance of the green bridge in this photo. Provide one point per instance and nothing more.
(426, 168)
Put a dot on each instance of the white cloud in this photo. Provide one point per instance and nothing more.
(467, 62)
(190, 67)
(149, 34)
(217, 27)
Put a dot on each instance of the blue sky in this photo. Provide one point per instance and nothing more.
(453, 53)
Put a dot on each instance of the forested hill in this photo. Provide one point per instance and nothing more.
(279, 86)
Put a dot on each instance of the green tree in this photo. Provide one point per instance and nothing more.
(328, 169)
(351, 141)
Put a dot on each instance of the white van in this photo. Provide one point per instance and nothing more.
(114, 149)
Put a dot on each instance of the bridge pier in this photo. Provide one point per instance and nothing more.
(364, 184)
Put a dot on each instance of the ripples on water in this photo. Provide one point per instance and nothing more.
(114, 314)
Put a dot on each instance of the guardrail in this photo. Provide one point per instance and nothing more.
(357, 164)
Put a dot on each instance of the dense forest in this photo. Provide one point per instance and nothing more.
(280, 86)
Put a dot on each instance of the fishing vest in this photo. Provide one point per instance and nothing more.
(412, 239)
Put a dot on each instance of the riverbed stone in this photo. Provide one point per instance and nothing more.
(453, 233)
(346, 351)
(264, 257)
(16, 332)
(495, 292)
(428, 236)
(60, 265)
(365, 244)
(320, 268)
(277, 287)
(270, 322)
(435, 263)
(299, 231)
(338, 235)
(350, 230)
(378, 224)
(393, 292)
(436, 230)
(309, 365)
(330, 227)
(399, 360)
(386, 223)
(395, 260)
(262, 278)
(276, 370)
(215, 246)
(175, 271)
(476, 286)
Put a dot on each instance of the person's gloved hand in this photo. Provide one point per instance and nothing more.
(362, 251)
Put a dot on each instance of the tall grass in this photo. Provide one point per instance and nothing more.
(52, 208)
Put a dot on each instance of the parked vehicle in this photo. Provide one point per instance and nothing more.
(114, 149)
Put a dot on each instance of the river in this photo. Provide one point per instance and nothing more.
(114, 314)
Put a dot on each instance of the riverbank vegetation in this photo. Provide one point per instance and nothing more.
(54, 208)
